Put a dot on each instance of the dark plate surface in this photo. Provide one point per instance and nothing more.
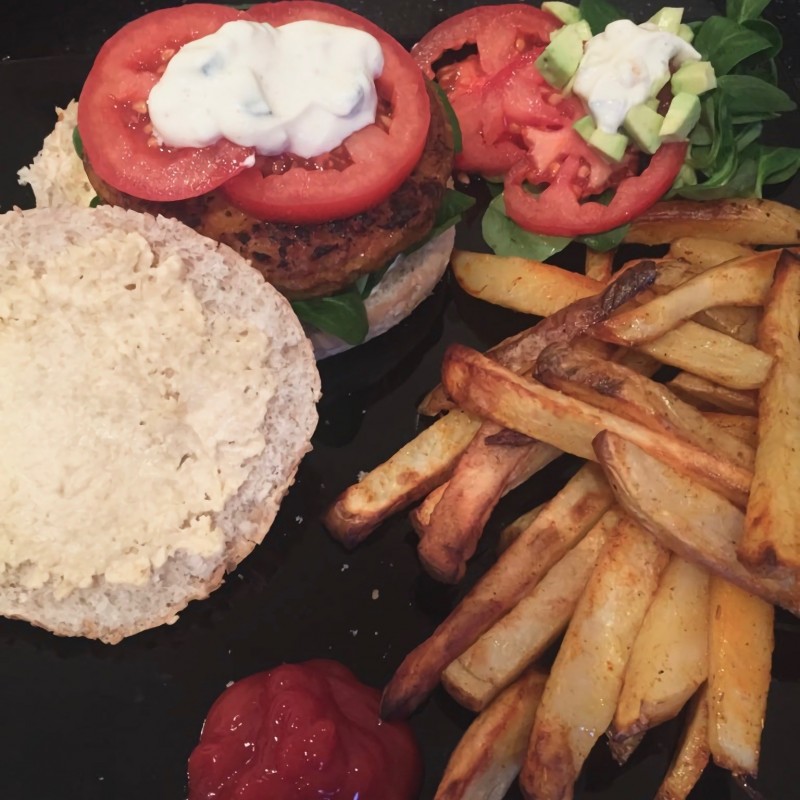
(87, 721)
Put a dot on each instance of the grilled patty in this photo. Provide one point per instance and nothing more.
(320, 259)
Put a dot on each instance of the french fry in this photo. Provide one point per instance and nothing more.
(479, 480)
(599, 265)
(563, 522)
(624, 392)
(487, 389)
(692, 755)
(771, 540)
(692, 388)
(743, 282)
(586, 677)
(519, 352)
(521, 636)
(738, 322)
(742, 221)
(706, 253)
(513, 530)
(691, 520)
(742, 427)
(740, 644)
(669, 659)
(417, 468)
(489, 756)
(421, 515)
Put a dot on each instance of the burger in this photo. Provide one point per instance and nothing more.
(297, 133)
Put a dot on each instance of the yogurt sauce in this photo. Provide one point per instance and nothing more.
(626, 65)
(301, 88)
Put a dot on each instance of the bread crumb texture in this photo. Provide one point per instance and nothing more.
(132, 414)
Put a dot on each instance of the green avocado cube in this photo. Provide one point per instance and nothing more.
(611, 145)
(685, 177)
(643, 125)
(695, 77)
(668, 19)
(683, 114)
(585, 127)
(560, 59)
(566, 12)
(659, 82)
(685, 33)
(581, 28)
(653, 103)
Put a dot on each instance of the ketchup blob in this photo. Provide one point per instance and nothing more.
(306, 731)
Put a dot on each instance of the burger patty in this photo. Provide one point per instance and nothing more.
(319, 259)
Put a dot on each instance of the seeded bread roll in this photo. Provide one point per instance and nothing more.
(227, 289)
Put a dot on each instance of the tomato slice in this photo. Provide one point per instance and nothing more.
(369, 165)
(500, 32)
(557, 211)
(113, 121)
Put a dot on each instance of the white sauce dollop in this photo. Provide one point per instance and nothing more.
(301, 88)
(621, 65)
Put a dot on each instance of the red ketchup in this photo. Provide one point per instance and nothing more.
(303, 732)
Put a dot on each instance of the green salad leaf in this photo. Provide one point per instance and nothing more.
(598, 13)
(506, 238)
(451, 116)
(742, 10)
(726, 43)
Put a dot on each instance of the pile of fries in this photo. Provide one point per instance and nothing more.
(661, 560)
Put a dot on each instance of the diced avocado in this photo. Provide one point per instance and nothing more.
(684, 111)
(585, 127)
(685, 33)
(560, 59)
(643, 125)
(581, 27)
(659, 82)
(611, 145)
(695, 77)
(566, 12)
(653, 103)
(668, 19)
(685, 177)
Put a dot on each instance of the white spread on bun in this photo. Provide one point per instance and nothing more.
(156, 397)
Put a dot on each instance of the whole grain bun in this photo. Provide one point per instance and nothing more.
(224, 284)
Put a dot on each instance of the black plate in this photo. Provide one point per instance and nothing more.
(83, 720)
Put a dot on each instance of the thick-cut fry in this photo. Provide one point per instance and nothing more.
(698, 390)
(513, 530)
(564, 521)
(706, 253)
(489, 756)
(741, 427)
(599, 266)
(771, 540)
(586, 678)
(416, 469)
(739, 322)
(481, 476)
(740, 644)
(741, 282)
(622, 391)
(669, 659)
(743, 221)
(520, 283)
(692, 755)
(691, 520)
(487, 389)
(519, 353)
(421, 516)
(522, 635)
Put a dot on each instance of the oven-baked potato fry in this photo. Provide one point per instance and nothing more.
(489, 756)
(626, 393)
(417, 468)
(741, 282)
(706, 253)
(742, 221)
(599, 265)
(693, 521)
(698, 390)
(564, 521)
(740, 644)
(512, 531)
(669, 659)
(521, 636)
(489, 390)
(771, 541)
(741, 426)
(585, 680)
(692, 754)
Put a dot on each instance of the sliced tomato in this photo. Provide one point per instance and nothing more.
(558, 210)
(500, 33)
(112, 113)
(369, 165)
